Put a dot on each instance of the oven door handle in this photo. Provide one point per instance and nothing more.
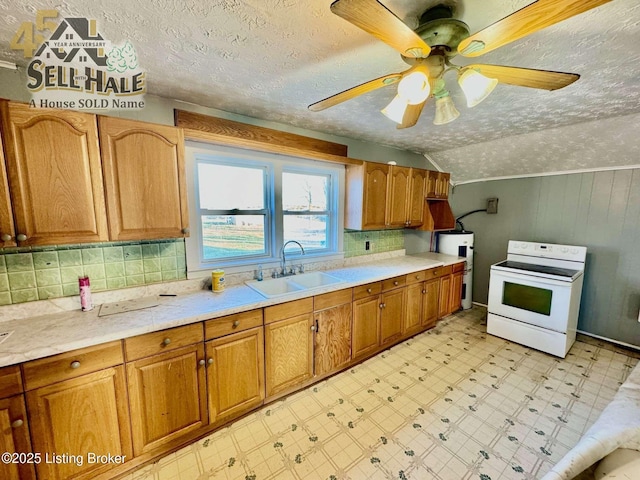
(523, 276)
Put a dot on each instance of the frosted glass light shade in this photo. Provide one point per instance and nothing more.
(476, 87)
(414, 88)
(446, 111)
(395, 110)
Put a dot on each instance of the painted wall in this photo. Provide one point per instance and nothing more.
(38, 273)
(600, 210)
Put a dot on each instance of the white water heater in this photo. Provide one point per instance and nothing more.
(460, 243)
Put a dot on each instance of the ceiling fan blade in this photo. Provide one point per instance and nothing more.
(528, 20)
(355, 91)
(411, 115)
(376, 19)
(526, 77)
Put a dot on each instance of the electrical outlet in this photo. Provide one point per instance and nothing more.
(367, 245)
(492, 205)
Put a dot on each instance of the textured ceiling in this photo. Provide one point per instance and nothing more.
(271, 58)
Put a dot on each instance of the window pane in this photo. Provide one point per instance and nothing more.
(304, 192)
(224, 187)
(232, 236)
(310, 230)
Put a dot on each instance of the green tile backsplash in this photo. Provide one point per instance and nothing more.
(39, 273)
(28, 274)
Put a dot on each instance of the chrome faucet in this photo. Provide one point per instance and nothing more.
(283, 271)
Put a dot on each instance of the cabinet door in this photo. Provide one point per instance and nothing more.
(167, 396)
(392, 315)
(332, 339)
(14, 438)
(431, 304)
(444, 301)
(375, 195)
(414, 312)
(442, 185)
(288, 353)
(144, 179)
(456, 292)
(398, 186)
(74, 417)
(7, 228)
(55, 177)
(430, 190)
(235, 374)
(366, 325)
(416, 197)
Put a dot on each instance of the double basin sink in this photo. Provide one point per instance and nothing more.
(277, 287)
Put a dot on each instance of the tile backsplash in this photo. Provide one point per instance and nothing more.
(40, 273)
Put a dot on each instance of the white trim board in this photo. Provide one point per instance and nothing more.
(547, 174)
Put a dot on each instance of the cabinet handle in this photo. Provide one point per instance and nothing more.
(236, 324)
(395, 283)
(17, 423)
(369, 290)
(210, 361)
(166, 341)
(21, 237)
(201, 362)
(5, 237)
(186, 231)
(75, 364)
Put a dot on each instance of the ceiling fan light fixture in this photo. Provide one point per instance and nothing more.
(396, 109)
(446, 111)
(414, 87)
(476, 87)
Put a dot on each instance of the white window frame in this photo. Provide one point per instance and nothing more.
(275, 166)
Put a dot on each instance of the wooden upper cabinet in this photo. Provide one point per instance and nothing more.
(416, 197)
(398, 188)
(438, 185)
(7, 229)
(375, 195)
(53, 162)
(144, 177)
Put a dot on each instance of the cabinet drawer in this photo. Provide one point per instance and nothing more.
(364, 291)
(163, 341)
(219, 327)
(288, 310)
(64, 366)
(415, 277)
(437, 272)
(458, 267)
(333, 299)
(10, 381)
(394, 282)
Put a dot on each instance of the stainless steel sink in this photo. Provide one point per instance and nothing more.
(277, 287)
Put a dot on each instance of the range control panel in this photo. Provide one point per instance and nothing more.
(573, 253)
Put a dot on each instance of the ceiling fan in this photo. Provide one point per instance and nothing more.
(439, 37)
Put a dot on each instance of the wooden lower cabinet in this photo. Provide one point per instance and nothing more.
(14, 438)
(431, 303)
(444, 301)
(456, 291)
(288, 353)
(235, 374)
(422, 306)
(366, 326)
(332, 344)
(391, 315)
(167, 396)
(77, 416)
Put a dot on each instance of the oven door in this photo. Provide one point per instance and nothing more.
(538, 301)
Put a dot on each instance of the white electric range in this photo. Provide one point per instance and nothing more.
(534, 295)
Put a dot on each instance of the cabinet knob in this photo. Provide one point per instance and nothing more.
(166, 341)
(5, 237)
(369, 290)
(313, 328)
(424, 291)
(75, 364)
(186, 231)
(236, 324)
(210, 361)
(17, 423)
(201, 362)
(382, 305)
(395, 283)
(21, 237)
(417, 277)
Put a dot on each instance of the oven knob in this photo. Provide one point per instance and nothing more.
(523, 245)
(564, 249)
(574, 250)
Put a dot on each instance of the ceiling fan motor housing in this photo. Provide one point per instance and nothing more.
(438, 28)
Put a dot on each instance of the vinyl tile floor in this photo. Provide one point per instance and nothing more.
(451, 403)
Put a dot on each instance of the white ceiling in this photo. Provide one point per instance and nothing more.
(270, 59)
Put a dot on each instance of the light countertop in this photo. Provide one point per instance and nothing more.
(47, 335)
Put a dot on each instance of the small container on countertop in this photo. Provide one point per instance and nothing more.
(217, 280)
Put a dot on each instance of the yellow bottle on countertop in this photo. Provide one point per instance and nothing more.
(217, 280)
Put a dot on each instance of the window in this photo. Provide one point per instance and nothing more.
(245, 205)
